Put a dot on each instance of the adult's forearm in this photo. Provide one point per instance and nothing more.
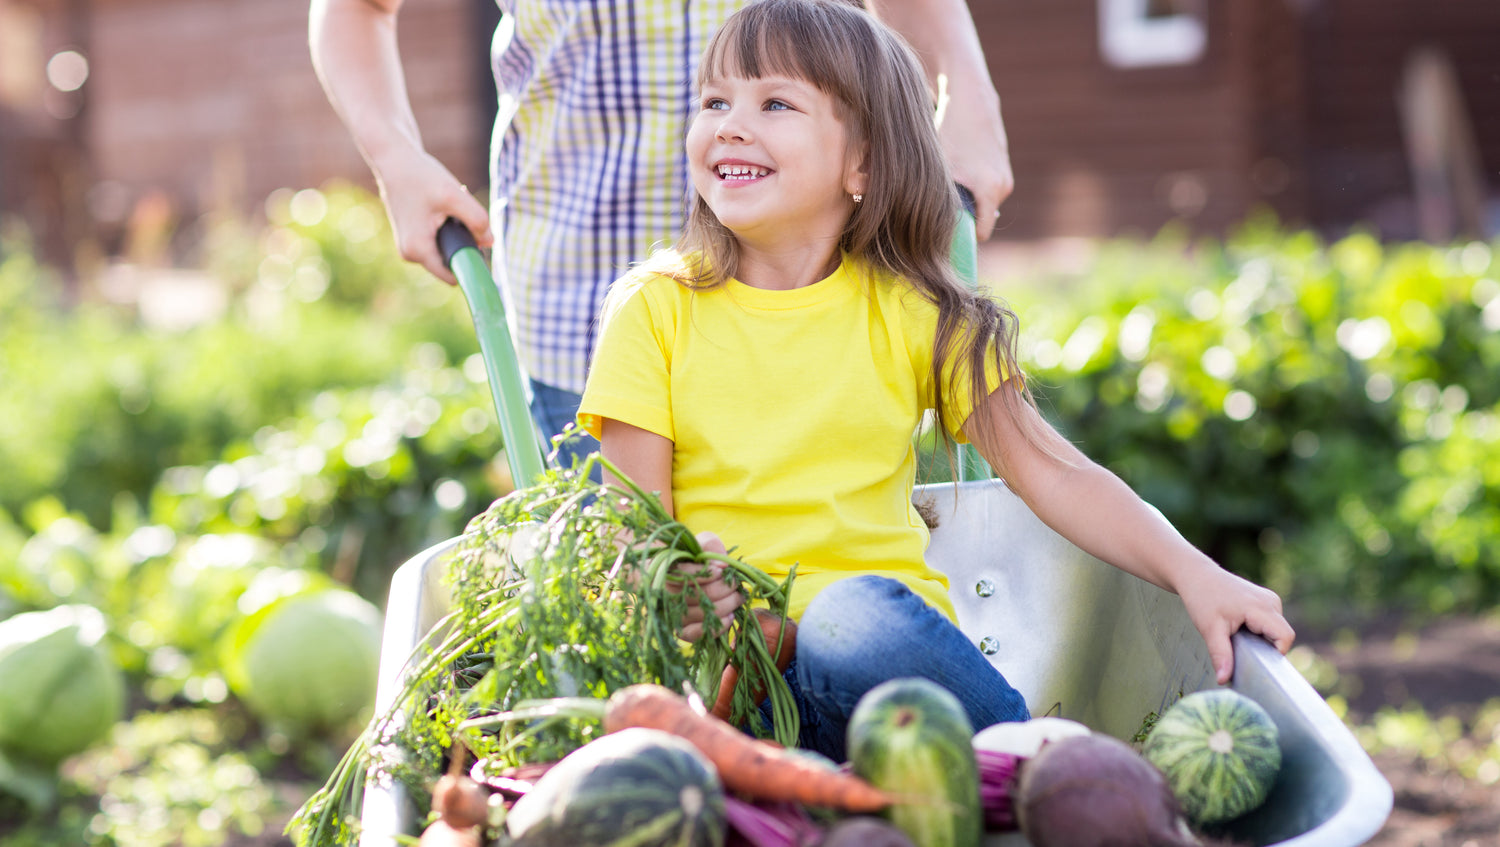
(969, 124)
(943, 35)
(355, 54)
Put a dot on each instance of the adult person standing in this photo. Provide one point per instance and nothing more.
(587, 166)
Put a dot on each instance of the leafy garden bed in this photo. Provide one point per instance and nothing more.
(1320, 416)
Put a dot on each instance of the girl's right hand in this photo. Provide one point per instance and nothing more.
(710, 577)
(1220, 602)
(419, 194)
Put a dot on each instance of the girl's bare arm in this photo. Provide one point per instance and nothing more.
(1098, 512)
(646, 458)
(640, 454)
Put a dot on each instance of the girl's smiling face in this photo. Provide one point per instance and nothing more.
(773, 161)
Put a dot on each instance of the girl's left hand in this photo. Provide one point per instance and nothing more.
(1219, 603)
(710, 577)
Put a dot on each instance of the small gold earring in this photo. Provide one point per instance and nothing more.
(859, 198)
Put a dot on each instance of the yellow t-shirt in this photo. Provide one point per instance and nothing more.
(791, 414)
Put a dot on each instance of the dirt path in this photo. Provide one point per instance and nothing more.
(1451, 669)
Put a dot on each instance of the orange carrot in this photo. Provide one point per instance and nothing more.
(746, 765)
(770, 627)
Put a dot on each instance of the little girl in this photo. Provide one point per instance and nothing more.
(767, 376)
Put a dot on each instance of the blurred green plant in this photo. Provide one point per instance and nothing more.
(175, 778)
(1468, 747)
(357, 482)
(344, 492)
(330, 423)
(1463, 742)
(93, 402)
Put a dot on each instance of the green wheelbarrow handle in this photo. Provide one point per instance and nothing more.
(964, 253)
(523, 448)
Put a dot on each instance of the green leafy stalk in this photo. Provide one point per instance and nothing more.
(566, 588)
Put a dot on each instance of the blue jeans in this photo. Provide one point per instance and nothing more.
(553, 409)
(865, 630)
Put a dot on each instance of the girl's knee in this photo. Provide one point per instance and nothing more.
(858, 615)
(855, 595)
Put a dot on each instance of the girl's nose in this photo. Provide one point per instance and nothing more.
(731, 128)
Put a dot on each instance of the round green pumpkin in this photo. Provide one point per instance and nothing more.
(307, 663)
(1219, 752)
(60, 689)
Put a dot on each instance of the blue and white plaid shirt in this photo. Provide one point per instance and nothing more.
(588, 169)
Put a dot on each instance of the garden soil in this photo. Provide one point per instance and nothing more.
(1449, 667)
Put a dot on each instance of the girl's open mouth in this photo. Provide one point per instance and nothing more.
(741, 173)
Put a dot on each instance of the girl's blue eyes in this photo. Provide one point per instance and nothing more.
(770, 106)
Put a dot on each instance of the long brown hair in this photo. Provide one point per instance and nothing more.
(906, 221)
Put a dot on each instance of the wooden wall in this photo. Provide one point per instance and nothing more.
(1293, 107)
(217, 103)
(1272, 77)
(43, 156)
(1355, 52)
(1101, 151)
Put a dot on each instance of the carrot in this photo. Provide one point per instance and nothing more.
(782, 640)
(746, 765)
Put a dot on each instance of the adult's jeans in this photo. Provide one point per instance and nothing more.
(865, 630)
(553, 409)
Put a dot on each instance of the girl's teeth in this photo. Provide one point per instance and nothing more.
(741, 172)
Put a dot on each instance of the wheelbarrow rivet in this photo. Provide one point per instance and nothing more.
(989, 645)
(984, 588)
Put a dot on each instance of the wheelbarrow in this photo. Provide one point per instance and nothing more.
(1081, 639)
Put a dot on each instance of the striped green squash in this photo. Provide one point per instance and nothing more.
(1219, 752)
(634, 788)
(912, 738)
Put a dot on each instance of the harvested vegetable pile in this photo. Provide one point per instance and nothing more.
(670, 774)
(567, 588)
(560, 673)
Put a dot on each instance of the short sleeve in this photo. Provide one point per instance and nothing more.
(956, 375)
(921, 317)
(629, 374)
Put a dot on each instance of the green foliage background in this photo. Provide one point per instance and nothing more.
(333, 420)
(1321, 417)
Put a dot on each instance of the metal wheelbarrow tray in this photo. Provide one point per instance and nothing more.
(1076, 637)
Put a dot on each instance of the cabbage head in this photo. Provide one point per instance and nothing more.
(60, 690)
(307, 662)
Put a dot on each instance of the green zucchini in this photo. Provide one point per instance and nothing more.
(911, 738)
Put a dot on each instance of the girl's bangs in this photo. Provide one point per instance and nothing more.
(754, 46)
